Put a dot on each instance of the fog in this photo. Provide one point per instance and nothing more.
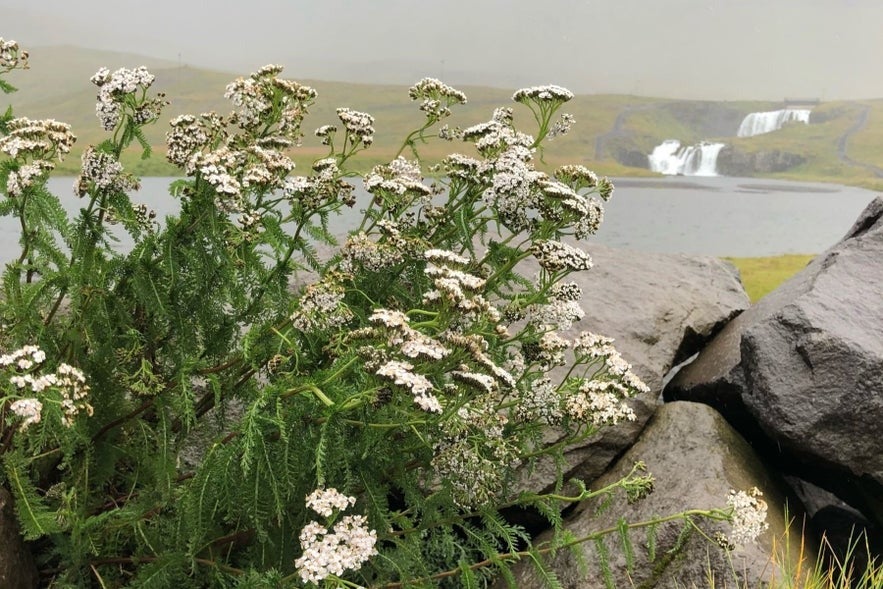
(714, 49)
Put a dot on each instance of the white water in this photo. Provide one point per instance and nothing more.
(758, 123)
(671, 158)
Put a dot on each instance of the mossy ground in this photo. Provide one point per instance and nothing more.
(762, 275)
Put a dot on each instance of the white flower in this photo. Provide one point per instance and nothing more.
(325, 553)
(548, 93)
(556, 256)
(359, 125)
(749, 516)
(37, 139)
(401, 373)
(325, 501)
(29, 410)
(437, 97)
(11, 56)
(600, 403)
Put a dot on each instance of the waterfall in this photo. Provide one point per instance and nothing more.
(758, 123)
(671, 158)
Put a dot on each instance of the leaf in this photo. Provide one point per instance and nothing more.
(34, 515)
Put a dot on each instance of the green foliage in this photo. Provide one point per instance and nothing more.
(177, 414)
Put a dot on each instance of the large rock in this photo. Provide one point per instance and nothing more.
(806, 365)
(17, 569)
(661, 309)
(696, 458)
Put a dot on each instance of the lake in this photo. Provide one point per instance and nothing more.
(717, 216)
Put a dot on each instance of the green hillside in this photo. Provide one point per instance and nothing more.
(613, 134)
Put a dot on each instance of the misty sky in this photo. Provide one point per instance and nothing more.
(716, 49)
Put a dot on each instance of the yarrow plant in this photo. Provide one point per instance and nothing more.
(400, 391)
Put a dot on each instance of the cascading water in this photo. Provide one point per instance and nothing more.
(671, 158)
(758, 123)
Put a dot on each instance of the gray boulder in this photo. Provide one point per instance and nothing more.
(17, 569)
(660, 309)
(696, 459)
(805, 366)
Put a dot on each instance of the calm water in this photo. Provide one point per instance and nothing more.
(712, 216)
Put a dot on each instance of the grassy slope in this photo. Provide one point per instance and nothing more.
(57, 86)
(762, 275)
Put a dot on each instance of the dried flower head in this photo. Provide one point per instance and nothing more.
(12, 56)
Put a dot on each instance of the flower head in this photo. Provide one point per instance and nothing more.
(12, 56)
(359, 125)
(125, 89)
(548, 93)
(347, 546)
(748, 517)
(437, 97)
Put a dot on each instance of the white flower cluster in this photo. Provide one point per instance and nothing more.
(104, 172)
(748, 518)
(325, 501)
(113, 89)
(576, 176)
(190, 134)
(600, 402)
(590, 345)
(561, 126)
(145, 216)
(264, 94)
(541, 402)
(361, 250)
(25, 176)
(346, 547)
(12, 56)
(29, 410)
(584, 213)
(399, 177)
(322, 187)
(475, 346)
(23, 358)
(219, 168)
(562, 309)
(474, 457)
(69, 381)
(548, 93)
(457, 288)
(514, 187)
(359, 126)
(320, 308)
(555, 256)
(406, 339)
(37, 139)
(326, 132)
(551, 350)
(494, 137)
(265, 169)
(462, 167)
(402, 374)
(437, 97)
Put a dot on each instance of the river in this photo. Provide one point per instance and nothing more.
(717, 216)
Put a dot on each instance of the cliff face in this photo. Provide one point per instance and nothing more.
(733, 162)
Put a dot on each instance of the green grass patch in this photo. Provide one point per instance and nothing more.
(763, 275)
